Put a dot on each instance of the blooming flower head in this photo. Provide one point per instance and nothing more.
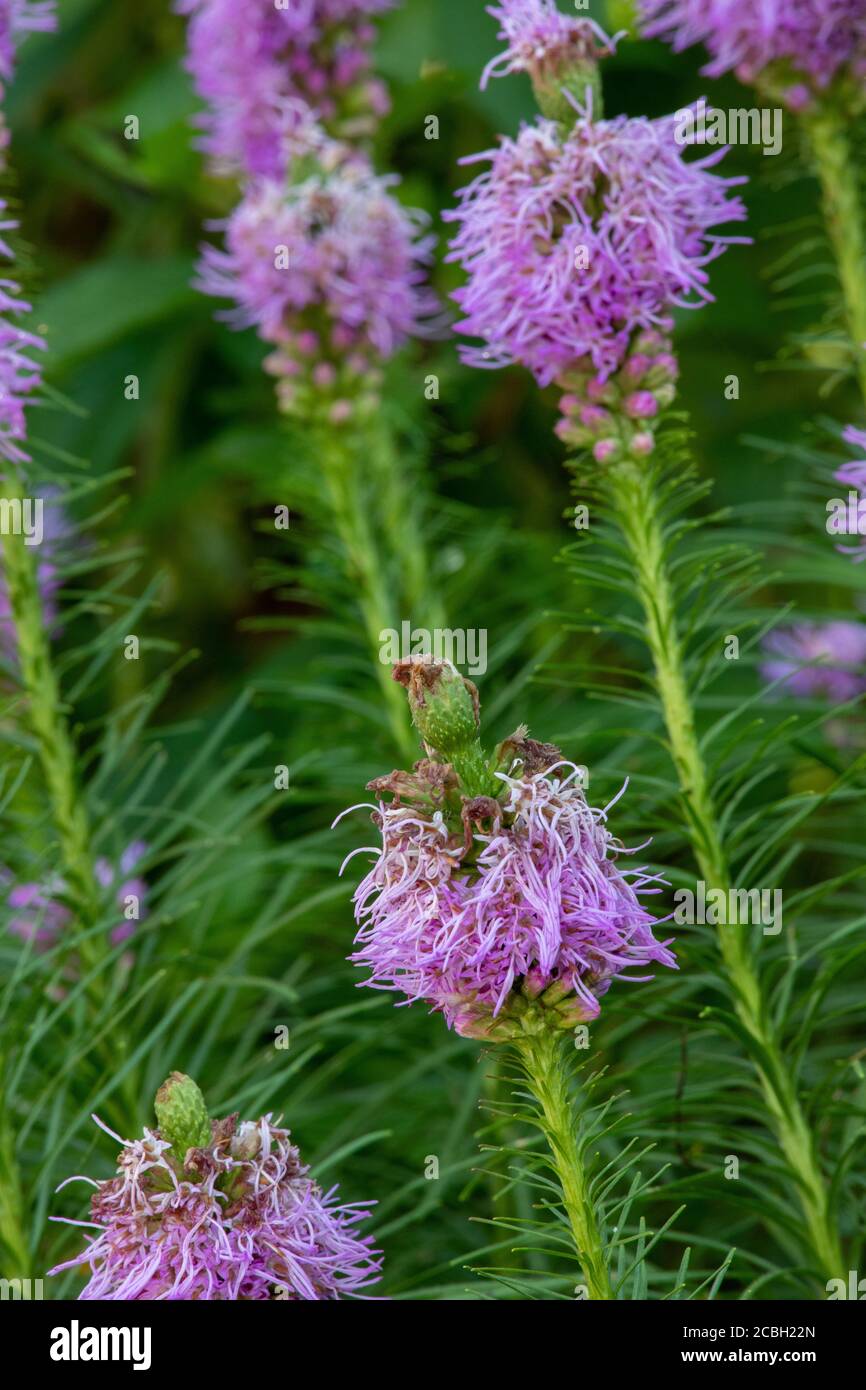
(259, 64)
(818, 661)
(329, 270)
(226, 1213)
(853, 476)
(543, 41)
(573, 242)
(42, 917)
(480, 905)
(795, 47)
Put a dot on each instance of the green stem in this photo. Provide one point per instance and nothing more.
(542, 1057)
(401, 525)
(46, 717)
(341, 467)
(471, 767)
(48, 724)
(837, 172)
(639, 518)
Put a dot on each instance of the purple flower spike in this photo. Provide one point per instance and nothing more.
(535, 904)
(263, 69)
(235, 1219)
(19, 17)
(573, 241)
(329, 270)
(20, 373)
(774, 42)
(818, 661)
(42, 917)
(853, 476)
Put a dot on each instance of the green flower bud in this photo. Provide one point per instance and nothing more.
(445, 712)
(444, 705)
(182, 1115)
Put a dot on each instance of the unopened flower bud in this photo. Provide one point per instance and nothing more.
(642, 444)
(598, 390)
(594, 417)
(182, 1115)
(444, 704)
(606, 450)
(637, 366)
(641, 405)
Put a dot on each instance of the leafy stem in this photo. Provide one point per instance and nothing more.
(638, 515)
(47, 720)
(343, 478)
(542, 1056)
(836, 170)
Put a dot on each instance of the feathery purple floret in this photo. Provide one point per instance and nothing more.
(808, 39)
(853, 475)
(20, 375)
(18, 17)
(329, 269)
(818, 661)
(260, 67)
(573, 241)
(538, 901)
(250, 1225)
(540, 37)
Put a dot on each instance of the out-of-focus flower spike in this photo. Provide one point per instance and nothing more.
(792, 48)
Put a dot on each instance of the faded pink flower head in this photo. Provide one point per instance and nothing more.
(235, 1219)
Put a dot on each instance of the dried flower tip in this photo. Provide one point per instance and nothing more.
(559, 52)
(444, 704)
